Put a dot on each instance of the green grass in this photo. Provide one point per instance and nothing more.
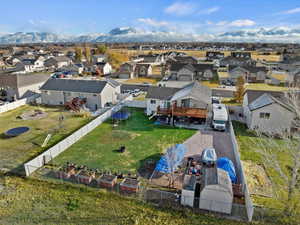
(248, 144)
(16, 151)
(143, 141)
(37, 202)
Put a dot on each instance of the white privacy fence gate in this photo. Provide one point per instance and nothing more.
(54, 151)
(18, 103)
(136, 104)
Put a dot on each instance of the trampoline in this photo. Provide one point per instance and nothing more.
(121, 115)
(14, 132)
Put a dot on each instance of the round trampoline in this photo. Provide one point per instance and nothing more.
(121, 115)
(14, 132)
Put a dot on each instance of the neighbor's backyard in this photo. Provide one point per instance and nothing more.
(143, 140)
(266, 185)
(18, 150)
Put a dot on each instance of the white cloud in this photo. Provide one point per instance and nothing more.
(180, 8)
(152, 22)
(242, 23)
(222, 23)
(210, 10)
(291, 11)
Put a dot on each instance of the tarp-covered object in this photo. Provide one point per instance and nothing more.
(227, 165)
(178, 152)
(121, 115)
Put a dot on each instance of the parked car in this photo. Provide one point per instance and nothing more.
(146, 84)
(209, 157)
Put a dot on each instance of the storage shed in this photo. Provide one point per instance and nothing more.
(216, 191)
(188, 190)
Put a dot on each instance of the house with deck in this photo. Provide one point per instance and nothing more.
(191, 101)
(95, 93)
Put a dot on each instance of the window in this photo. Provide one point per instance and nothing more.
(264, 115)
(152, 101)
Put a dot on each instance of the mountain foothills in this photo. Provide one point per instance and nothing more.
(128, 34)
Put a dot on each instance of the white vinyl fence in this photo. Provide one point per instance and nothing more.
(136, 104)
(18, 103)
(248, 201)
(54, 151)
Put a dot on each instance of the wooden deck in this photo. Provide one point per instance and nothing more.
(181, 111)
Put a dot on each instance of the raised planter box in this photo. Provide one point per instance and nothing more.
(130, 185)
(107, 181)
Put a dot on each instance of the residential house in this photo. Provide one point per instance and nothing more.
(143, 70)
(191, 101)
(243, 55)
(211, 56)
(236, 61)
(57, 62)
(73, 69)
(251, 74)
(191, 72)
(267, 112)
(97, 93)
(126, 70)
(103, 68)
(152, 58)
(99, 58)
(186, 59)
(17, 86)
(33, 65)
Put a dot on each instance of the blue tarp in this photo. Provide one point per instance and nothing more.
(121, 115)
(227, 165)
(162, 164)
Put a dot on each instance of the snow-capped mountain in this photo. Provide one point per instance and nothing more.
(31, 37)
(128, 34)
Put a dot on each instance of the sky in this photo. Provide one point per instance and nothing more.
(186, 16)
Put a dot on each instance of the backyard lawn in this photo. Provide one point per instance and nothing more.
(16, 151)
(264, 182)
(143, 140)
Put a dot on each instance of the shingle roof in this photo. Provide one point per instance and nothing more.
(72, 85)
(252, 69)
(268, 99)
(162, 93)
(254, 94)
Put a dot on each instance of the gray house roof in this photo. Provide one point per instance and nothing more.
(195, 90)
(267, 99)
(72, 85)
(162, 93)
(254, 94)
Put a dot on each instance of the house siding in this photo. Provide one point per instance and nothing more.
(280, 119)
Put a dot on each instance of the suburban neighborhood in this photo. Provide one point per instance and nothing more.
(136, 128)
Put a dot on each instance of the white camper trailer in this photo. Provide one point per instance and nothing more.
(220, 117)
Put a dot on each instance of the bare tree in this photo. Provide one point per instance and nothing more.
(171, 162)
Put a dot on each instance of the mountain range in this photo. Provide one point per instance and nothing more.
(128, 34)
